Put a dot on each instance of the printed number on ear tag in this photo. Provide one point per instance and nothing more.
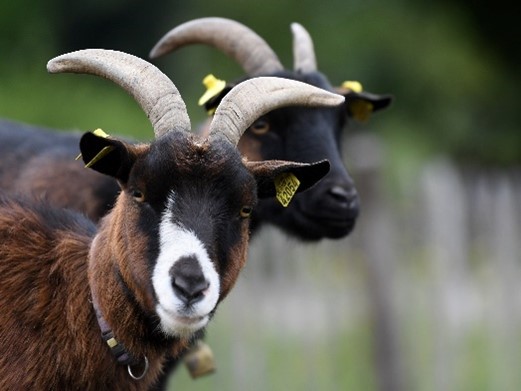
(286, 186)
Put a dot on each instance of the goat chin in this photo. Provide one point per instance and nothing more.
(180, 326)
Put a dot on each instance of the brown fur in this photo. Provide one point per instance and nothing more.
(61, 172)
(49, 335)
(239, 254)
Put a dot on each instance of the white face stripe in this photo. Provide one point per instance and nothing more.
(175, 242)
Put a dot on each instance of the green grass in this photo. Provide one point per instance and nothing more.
(267, 361)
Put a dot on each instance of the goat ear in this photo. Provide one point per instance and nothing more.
(379, 102)
(268, 171)
(107, 156)
(361, 104)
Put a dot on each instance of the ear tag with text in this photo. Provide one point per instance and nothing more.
(286, 185)
(101, 154)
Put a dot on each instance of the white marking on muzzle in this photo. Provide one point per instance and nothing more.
(176, 243)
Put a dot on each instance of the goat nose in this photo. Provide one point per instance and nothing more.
(344, 197)
(190, 289)
(188, 280)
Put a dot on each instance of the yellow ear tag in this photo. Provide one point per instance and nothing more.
(101, 154)
(286, 185)
(352, 85)
(100, 133)
(213, 87)
(361, 110)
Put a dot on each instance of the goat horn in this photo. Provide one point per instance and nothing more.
(253, 98)
(236, 40)
(304, 59)
(154, 91)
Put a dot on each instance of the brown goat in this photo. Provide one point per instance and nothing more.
(154, 271)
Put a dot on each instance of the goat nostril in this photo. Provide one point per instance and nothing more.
(339, 193)
(345, 199)
(354, 204)
(342, 195)
(190, 289)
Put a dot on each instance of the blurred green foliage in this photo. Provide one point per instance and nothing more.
(452, 66)
(339, 362)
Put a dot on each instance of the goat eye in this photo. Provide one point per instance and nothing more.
(138, 195)
(260, 127)
(246, 211)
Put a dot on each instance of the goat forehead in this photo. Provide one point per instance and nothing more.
(303, 130)
(192, 169)
(186, 153)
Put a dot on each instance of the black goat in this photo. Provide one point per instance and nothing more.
(330, 209)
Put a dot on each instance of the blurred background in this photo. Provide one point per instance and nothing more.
(424, 295)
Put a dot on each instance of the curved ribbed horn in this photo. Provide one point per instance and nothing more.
(304, 59)
(253, 98)
(154, 91)
(236, 40)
